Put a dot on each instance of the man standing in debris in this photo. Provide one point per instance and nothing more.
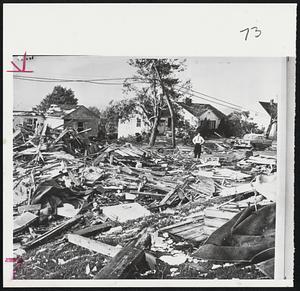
(198, 140)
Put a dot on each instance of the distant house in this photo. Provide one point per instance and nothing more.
(136, 123)
(196, 113)
(75, 116)
(28, 118)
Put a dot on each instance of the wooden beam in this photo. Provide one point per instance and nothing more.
(93, 245)
(51, 233)
(94, 229)
(124, 263)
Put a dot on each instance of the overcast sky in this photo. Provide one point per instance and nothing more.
(241, 81)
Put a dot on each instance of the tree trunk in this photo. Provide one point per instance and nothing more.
(170, 108)
(172, 120)
(154, 131)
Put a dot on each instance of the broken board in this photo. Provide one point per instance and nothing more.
(93, 245)
(23, 221)
(187, 230)
(125, 212)
(91, 230)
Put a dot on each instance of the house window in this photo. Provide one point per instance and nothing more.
(80, 126)
(138, 122)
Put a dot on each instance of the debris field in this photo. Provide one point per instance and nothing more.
(85, 210)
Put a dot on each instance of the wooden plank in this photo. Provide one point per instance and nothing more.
(122, 265)
(51, 233)
(23, 221)
(93, 245)
(191, 232)
(216, 213)
(94, 229)
(175, 225)
(155, 195)
(34, 207)
(183, 228)
(215, 222)
(167, 197)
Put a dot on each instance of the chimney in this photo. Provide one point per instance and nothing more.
(188, 101)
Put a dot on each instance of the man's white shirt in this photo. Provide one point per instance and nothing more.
(198, 139)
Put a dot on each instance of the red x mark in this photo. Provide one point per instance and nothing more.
(19, 70)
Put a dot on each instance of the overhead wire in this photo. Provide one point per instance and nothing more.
(134, 80)
(208, 100)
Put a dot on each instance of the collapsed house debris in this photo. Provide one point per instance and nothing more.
(138, 212)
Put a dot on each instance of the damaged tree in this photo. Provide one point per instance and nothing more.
(153, 86)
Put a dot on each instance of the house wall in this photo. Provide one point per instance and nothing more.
(209, 115)
(20, 119)
(87, 123)
(84, 116)
(129, 127)
(54, 122)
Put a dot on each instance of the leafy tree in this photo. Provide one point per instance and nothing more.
(59, 96)
(95, 110)
(237, 124)
(204, 128)
(154, 90)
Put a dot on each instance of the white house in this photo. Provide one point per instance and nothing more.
(137, 123)
(196, 113)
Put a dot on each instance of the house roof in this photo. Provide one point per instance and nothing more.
(267, 106)
(64, 110)
(26, 113)
(197, 109)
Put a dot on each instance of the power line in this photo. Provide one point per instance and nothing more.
(51, 80)
(215, 98)
(74, 80)
(216, 102)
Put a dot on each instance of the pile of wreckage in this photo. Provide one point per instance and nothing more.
(147, 214)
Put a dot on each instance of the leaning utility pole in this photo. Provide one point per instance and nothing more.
(169, 106)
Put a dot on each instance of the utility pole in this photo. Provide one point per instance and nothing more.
(169, 106)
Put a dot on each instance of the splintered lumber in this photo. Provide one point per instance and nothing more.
(52, 233)
(215, 218)
(122, 265)
(94, 229)
(167, 197)
(34, 207)
(244, 188)
(263, 160)
(148, 194)
(23, 221)
(125, 262)
(189, 229)
(93, 245)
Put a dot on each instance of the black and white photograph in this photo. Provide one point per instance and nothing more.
(147, 168)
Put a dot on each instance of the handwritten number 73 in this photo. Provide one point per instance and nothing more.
(253, 31)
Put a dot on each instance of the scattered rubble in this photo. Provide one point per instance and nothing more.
(118, 211)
